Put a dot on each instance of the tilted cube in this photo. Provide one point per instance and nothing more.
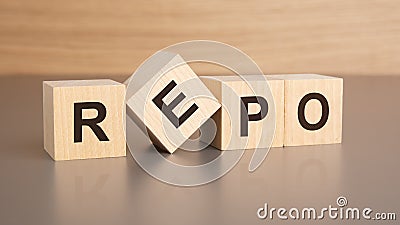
(170, 101)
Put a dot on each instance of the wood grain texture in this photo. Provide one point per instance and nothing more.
(58, 118)
(170, 132)
(297, 86)
(229, 90)
(99, 37)
(277, 87)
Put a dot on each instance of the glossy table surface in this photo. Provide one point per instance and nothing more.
(364, 168)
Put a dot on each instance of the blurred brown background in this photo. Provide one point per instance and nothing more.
(112, 37)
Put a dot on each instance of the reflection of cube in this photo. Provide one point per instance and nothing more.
(84, 119)
(172, 103)
(313, 109)
(244, 121)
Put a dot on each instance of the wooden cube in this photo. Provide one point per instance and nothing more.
(241, 124)
(171, 102)
(313, 109)
(84, 119)
(277, 88)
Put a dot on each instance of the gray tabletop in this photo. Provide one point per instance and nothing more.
(364, 168)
